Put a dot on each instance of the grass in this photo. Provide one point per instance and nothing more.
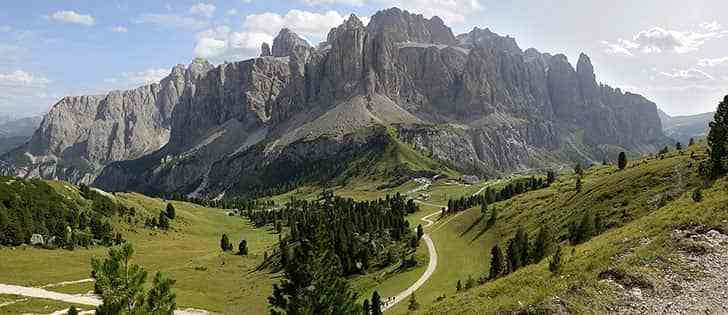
(13, 304)
(643, 236)
(190, 253)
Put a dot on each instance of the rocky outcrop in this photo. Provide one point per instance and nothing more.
(476, 102)
(80, 135)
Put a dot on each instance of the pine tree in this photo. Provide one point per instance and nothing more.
(160, 299)
(119, 282)
(413, 305)
(459, 286)
(678, 146)
(542, 244)
(496, 262)
(376, 304)
(513, 255)
(243, 248)
(366, 308)
(717, 139)
(555, 262)
(622, 161)
(578, 170)
(550, 177)
(163, 221)
(171, 213)
(420, 231)
(483, 208)
(692, 142)
(470, 283)
(523, 247)
(225, 243)
(72, 311)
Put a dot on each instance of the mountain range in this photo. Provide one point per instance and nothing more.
(684, 128)
(16, 131)
(475, 102)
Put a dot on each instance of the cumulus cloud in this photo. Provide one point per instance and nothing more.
(451, 11)
(693, 75)
(221, 43)
(203, 9)
(302, 22)
(714, 62)
(658, 40)
(356, 3)
(22, 92)
(134, 79)
(119, 29)
(232, 12)
(73, 17)
(173, 21)
(21, 78)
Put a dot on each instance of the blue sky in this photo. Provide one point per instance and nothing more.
(673, 52)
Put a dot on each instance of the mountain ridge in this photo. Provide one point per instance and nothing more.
(475, 101)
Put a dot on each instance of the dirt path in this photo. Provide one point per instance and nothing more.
(77, 299)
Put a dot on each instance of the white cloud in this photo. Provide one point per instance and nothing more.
(203, 9)
(693, 75)
(713, 62)
(451, 11)
(222, 43)
(301, 22)
(173, 21)
(21, 78)
(232, 12)
(73, 17)
(356, 3)
(658, 40)
(134, 79)
(119, 29)
(711, 26)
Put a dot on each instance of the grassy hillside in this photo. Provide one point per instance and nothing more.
(640, 206)
(189, 252)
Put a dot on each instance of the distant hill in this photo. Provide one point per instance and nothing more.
(15, 132)
(682, 128)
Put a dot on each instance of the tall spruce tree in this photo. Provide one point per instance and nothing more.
(170, 211)
(376, 303)
(622, 160)
(542, 244)
(555, 262)
(496, 262)
(160, 299)
(717, 139)
(366, 308)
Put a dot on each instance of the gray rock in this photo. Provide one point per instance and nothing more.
(265, 50)
(288, 43)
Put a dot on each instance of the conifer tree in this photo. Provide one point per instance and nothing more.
(578, 184)
(160, 299)
(225, 243)
(493, 216)
(163, 221)
(376, 304)
(243, 248)
(622, 160)
(678, 146)
(496, 262)
(578, 170)
(717, 139)
(692, 142)
(170, 211)
(72, 311)
(413, 305)
(459, 286)
(550, 177)
(420, 231)
(697, 195)
(542, 244)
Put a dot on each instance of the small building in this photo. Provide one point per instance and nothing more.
(471, 179)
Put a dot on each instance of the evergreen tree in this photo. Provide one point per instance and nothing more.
(243, 248)
(72, 311)
(225, 244)
(584, 231)
(413, 305)
(578, 170)
(367, 309)
(523, 247)
(171, 213)
(717, 139)
(459, 286)
(555, 262)
(678, 146)
(119, 282)
(376, 304)
(542, 244)
(420, 231)
(160, 299)
(550, 177)
(513, 255)
(622, 160)
(692, 142)
(163, 221)
(470, 283)
(483, 208)
(496, 262)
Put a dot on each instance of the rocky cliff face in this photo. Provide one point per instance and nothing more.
(475, 101)
(80, 135)
(16, 132)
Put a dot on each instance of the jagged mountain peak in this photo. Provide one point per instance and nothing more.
(403, 26)
(287, 42)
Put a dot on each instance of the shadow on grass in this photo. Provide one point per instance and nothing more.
(475, 223)
(482, 231)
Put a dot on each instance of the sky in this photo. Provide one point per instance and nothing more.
(673, 52)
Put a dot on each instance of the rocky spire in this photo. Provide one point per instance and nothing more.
(265, 50)
(286, 43)
(587, 78)
(402, 26)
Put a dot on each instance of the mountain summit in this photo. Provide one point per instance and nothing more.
(475, 102)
